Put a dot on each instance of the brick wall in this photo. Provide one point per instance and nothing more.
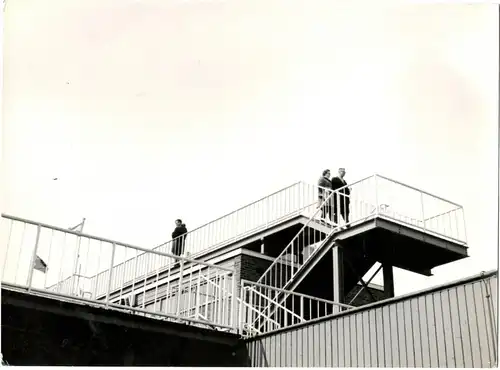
(250, 267)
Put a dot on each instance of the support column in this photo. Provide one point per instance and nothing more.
(338, 275)
(262, 248)
(388, 278)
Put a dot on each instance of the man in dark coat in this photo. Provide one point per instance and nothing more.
(179, 238)
(341, 200)
(325, 183)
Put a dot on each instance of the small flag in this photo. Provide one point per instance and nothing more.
(79, 226)
(40, 265)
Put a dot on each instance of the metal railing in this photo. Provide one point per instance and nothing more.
(295, 309)
(49, 260)
(103, 270)
(420, 209)
(294, 200)
(371, 197)
(374, 196)
(280, 272)
(271, 210)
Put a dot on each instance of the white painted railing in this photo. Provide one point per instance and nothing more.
(292, 201)
(280, 272)
(415, 207)
(295, 309)
(370, 197)
(79, 264)
(296, 199)
(375, 196)
(45, 259)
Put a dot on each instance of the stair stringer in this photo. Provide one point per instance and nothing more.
(326, 245)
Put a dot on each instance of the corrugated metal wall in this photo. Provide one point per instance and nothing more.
(454, 326)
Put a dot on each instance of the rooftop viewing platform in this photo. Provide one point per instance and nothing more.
(422, 229)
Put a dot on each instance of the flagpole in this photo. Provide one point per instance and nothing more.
(75, 272)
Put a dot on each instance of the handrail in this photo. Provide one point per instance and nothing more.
(239, 300)
(278, 305)
(294, 198)
(230, 213)
(442, 214)
(418, 190)
(68, 231)
(164, 254)
(248, 282)
(325, 201)
(204, 251)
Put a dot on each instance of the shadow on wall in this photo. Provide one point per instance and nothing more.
(37, 337)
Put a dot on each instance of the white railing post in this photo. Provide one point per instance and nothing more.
(29, 282)
(234, 300)
(197, 297)
(463, 221)
(240, 309)
(74, 289)
(422, 207)
(110, 278)
(181, 273)
(376, 195)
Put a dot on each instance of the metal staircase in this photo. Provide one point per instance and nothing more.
(288, 269)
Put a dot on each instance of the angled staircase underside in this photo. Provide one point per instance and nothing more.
(375, 233)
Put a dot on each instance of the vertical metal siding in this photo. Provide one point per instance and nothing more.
(451, 327)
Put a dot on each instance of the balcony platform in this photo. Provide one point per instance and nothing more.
(410, 248)
(378, 239)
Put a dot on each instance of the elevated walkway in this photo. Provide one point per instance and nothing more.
(374, 232)
(389, 222)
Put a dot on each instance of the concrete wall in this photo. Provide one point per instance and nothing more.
(450, 326)
(44, 331)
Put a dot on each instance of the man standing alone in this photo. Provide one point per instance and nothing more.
(324, 190)
(342, 197)
(179, 238)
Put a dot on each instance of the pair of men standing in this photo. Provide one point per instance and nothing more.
(341, 199)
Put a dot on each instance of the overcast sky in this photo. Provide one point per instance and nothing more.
(150, 110)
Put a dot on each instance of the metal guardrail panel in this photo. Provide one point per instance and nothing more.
(62, 263)
(90, 267)
(370, 197)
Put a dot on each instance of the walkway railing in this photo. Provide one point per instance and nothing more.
(374, 196)
(294, 200)
(295, 309)
(49, 260)
(45, 258)
(273, 209)
(370, 197)
(415, 207)
(360, 203)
